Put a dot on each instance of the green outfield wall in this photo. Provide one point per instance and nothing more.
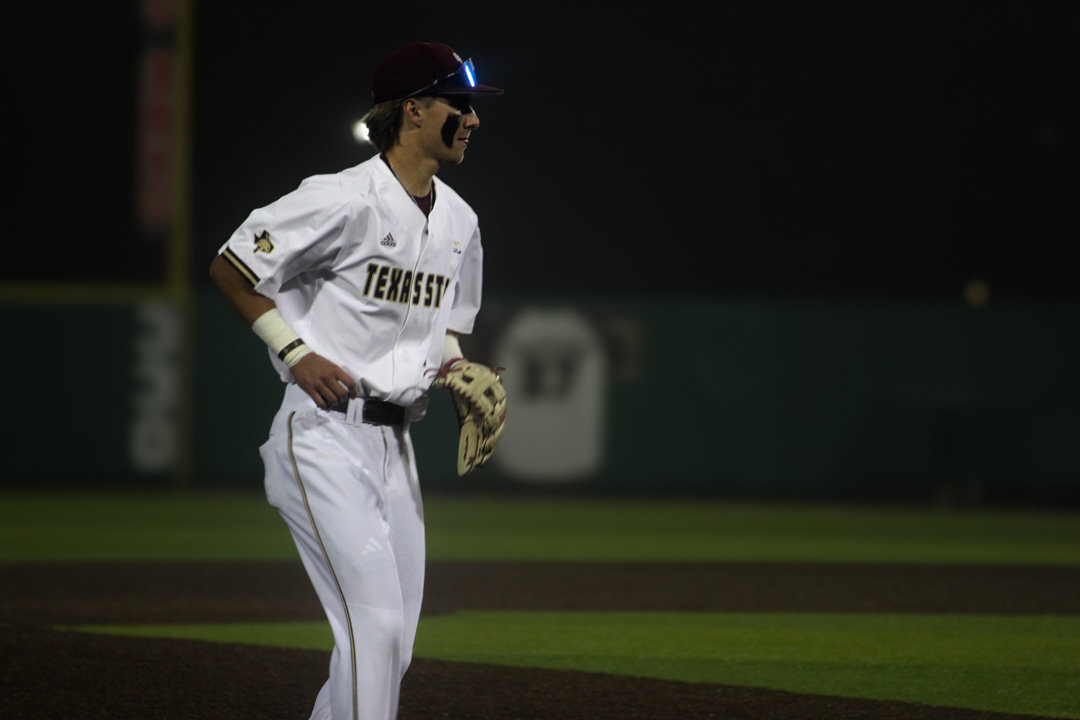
(919, 401)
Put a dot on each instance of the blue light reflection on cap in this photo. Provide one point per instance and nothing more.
(469, 75)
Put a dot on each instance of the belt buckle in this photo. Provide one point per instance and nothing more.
(354, 411)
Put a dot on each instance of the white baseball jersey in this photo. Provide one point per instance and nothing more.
(364, 278)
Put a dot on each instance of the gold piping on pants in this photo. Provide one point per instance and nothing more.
(341, 593)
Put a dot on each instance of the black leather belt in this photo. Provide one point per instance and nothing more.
(376, 412)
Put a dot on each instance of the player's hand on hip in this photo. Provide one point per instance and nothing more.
(325, 382)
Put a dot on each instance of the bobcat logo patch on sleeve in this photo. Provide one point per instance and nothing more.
(263, 244)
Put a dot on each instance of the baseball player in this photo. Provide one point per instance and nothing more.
(359, 283)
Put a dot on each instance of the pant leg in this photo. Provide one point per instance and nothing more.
(407, 535)
(330, 481)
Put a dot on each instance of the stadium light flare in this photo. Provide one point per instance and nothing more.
(360, 132)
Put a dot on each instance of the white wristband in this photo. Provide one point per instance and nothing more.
(280, 338)
(293, 356)
(451, 348)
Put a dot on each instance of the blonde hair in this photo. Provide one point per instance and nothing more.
(384, 122)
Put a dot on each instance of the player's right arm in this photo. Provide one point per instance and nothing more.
(324, 381)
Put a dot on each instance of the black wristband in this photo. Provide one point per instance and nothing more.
(289, 348)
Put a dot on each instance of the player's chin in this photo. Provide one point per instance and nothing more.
(454, 158)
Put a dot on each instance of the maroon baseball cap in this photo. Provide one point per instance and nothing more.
(423, 68)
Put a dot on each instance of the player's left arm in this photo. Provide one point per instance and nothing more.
(468, 287)
(451, 348)
(477, 390)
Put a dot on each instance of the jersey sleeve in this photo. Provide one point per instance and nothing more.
(469, 288)
(300, 232)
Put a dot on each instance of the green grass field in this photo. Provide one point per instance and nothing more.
(1021, 664)
(242, 527)
(1025, 664)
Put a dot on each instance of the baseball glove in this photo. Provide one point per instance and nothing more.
(480, 402)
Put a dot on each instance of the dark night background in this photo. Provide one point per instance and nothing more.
(832, 149)
(778, 206)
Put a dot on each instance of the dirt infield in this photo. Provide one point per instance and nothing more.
(50, 675)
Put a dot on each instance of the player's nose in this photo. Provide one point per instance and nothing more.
(471, 121)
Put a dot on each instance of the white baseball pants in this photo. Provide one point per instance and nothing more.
(351, 499)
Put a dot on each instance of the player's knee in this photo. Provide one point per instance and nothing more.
(381, 630)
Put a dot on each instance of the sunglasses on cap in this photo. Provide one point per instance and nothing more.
(465, 76)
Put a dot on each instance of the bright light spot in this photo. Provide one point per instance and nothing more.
(360, 131)
(470, 76)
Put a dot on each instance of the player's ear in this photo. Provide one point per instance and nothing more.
(410, 109)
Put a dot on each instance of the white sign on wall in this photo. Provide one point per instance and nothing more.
(556, 381)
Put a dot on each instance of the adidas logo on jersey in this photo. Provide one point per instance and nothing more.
(389, 240)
